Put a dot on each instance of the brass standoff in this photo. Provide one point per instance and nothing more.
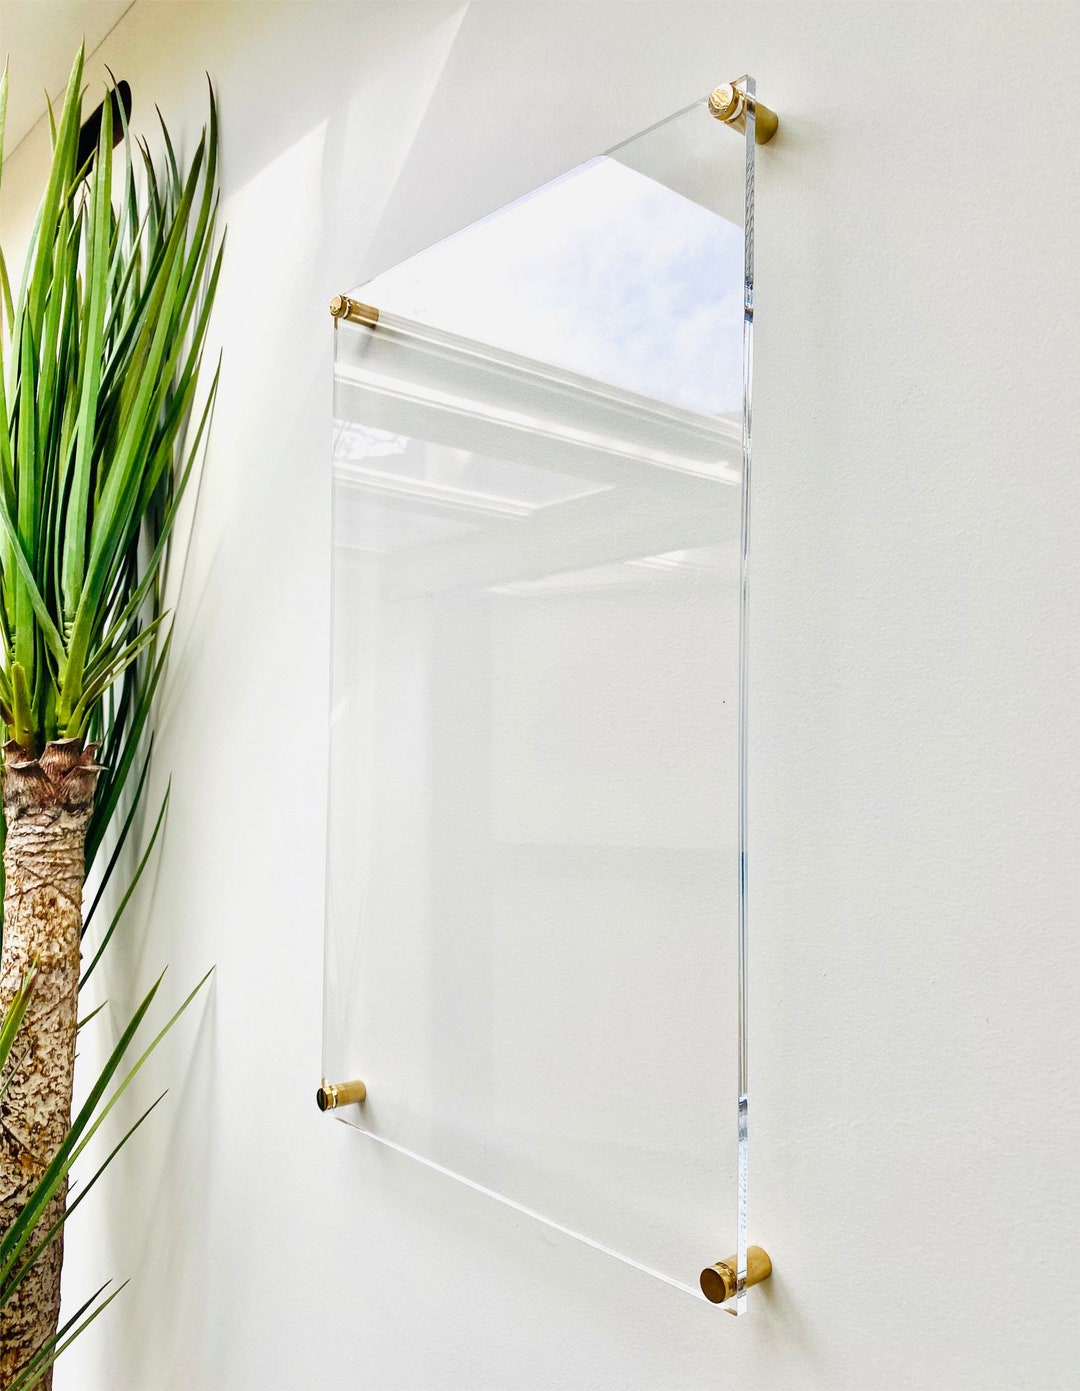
(331, 1095)
(353, 312)
(728, 103)
(720, 1281)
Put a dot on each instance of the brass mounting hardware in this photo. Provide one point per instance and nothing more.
(728, 104)
(353, 312)
(331, 1095)
(719, 1281)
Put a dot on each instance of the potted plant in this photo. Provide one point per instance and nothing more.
(101, 420)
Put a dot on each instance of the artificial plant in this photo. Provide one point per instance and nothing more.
(100, 357)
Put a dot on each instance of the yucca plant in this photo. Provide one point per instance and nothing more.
(100, 357)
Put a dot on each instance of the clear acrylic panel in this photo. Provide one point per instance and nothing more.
(535, 945)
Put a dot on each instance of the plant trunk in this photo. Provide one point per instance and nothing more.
(47, 805)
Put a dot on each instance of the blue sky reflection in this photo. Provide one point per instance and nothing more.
(605, 272)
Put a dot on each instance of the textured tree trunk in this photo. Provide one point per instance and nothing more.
(47, 805)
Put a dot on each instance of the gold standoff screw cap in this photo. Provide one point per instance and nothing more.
(719, 1282)
(728, 103)
(352, 311)
(725, 101)
(331, 1095)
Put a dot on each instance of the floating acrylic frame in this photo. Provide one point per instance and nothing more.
(536, 896)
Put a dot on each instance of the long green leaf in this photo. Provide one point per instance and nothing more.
(90, 385)
(15, 1238)
(128, 892)
(53, 1347)
(121, 841)
(14, 1016)
(85, 1126)
(57, 1227)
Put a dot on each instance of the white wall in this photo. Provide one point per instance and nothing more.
(915, 652)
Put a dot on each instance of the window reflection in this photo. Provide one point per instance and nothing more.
(606, 272)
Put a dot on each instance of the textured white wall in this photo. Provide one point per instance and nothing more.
(915, 651)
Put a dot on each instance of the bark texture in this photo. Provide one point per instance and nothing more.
(47, 805)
